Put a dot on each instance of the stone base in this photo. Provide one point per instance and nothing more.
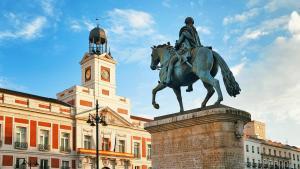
(199, 139)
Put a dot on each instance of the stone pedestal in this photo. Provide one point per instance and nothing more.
(199, 139)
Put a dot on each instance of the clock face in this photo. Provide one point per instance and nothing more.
(105, 75)
(88, 74)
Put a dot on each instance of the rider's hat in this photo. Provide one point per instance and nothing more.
(189, 20)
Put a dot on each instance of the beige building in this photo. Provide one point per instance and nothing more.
(263, 153)
(54, 132)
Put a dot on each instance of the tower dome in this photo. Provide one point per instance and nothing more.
(97, 41)
(97, 36)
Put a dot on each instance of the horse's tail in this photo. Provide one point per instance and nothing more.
(231, 85)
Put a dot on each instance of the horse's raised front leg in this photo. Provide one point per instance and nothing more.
(210, 91)
(159, 87)
(177, 91)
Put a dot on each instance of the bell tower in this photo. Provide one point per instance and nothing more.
(97, 66)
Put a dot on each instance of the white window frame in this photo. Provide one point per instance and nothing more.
(60, 137)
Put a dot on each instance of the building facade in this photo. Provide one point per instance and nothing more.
(54, 133)
(267, 154)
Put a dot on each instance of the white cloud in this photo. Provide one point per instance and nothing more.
(47, 6)
(252, 3)
(166, 3)
(29, 30)
(274, 5)
(265, 28)
(236, 70)
(129, 22)
(75, 26)
(271, 86)
(203, 30)
(294, 24)
(32, 29)
(243, 17)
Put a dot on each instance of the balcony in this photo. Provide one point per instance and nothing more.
(254, 165)
(20, 166)
(64, 167)
(137, 155)
(65, 149)
(105, 153)
(44, 147)
(44, 167)
(21, 145)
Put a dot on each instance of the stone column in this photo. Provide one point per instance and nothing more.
(199, 139)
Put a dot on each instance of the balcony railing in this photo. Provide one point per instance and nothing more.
(136, 155)
(65, 167)
(254, 165)
(20, 166)
(65, 149)
(44, 147)
(21, 145)
(248, 164)
(44, 167)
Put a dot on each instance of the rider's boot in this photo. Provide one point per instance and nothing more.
(189, 89)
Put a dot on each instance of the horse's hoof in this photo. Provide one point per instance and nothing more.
(156, 106)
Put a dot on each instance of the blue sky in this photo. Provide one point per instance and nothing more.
(42, 42)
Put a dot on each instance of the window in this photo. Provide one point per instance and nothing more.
(44, 140)
(290, 155)
(105, 144)
(87, 142)
(121, 146)
(19, 163)
(264, 150)
(257, 150)
(248, 160)
(297, 156)
(44, 164)
(247, 148)
(65, 142)
(136, 150)
(284, 154)
(269, 151)
(137, 167)
(252, 149)
(274, 152)
(21, 142)
(149, 152)
(280, 153)
(65, 164)
(294, 157)
(0, 135)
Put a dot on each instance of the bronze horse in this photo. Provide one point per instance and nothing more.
(205, 63)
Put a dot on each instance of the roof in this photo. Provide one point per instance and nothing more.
(274, 143)
(32, 96)
(140, 118)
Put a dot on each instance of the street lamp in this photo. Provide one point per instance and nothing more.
(30, 163)
(96, 120)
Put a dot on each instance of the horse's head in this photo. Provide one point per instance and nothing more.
(155, 59)
(157, 55)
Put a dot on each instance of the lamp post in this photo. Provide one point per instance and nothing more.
(30, 163)
(96, 120)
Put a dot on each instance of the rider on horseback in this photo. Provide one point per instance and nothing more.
(188, 40)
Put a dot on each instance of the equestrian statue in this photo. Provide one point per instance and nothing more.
(187, 62)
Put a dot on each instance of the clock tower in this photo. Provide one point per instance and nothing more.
(97, 66)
